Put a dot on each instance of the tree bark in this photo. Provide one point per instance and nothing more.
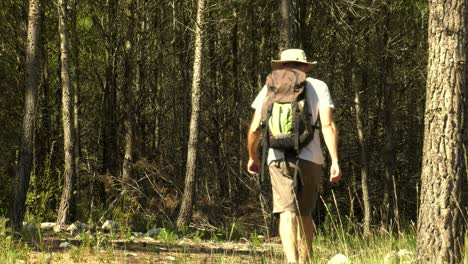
(110, 127)
(128, 95)
(67, 119)
(76, 81)
(25, 159)
(186, 209)
(388, 149)
(239, 147)
(441, 228)
(364, 163)
(285, 25)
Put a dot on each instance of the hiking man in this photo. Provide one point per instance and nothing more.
(295, 205)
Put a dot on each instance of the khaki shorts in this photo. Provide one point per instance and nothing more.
(282, 182)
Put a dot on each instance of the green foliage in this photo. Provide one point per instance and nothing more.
(77, 254)
(44, 190)
(11, 250)
(167, 236)
(256, 240)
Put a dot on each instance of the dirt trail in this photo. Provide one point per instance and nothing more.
(146, 250)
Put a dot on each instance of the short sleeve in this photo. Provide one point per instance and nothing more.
(258, 102)
(324, 96)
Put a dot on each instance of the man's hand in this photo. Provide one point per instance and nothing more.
(335, 172)
(253, 166)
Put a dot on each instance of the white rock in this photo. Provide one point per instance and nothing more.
(136, 234)
(110, 225)
(148, 238)
(153, 232)
(130, 254)
(47, 225)
(339, 259)
(57, 228)
(81, 225)
(28, 227)
(72, 228)
(170, 258)
(64, 245)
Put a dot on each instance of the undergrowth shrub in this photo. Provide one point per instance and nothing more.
(11, 250)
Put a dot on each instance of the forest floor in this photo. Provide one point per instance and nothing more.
(68, 249)
(39, 246)
(64, 248)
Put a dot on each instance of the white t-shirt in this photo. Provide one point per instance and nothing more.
(317, 95)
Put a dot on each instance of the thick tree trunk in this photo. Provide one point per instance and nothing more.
(441, 228)
(110, 127)
(25, 159)
(388, 149)
(185, 213)
(67, 119)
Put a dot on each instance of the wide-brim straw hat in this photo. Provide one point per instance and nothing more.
(292, 55)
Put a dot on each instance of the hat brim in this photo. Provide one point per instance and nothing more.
(277, 64)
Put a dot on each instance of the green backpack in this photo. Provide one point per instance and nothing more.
(286, 118)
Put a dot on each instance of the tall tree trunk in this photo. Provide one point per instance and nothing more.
(25, 159)
(388, 149)
(67, 119)
(128, 94)
(364, 163)
(185, 213)
(239, 147)
(110, 128)
(285, 25)
(441, 228)
(76, 80)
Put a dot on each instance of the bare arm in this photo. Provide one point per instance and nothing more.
(330, 135)
(253, 139)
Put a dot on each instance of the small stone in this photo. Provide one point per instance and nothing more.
(153, 232)
(110, 225)
(170, 258)
(72, 227)
(47, 225)
(339, 259)
(130, 254)
(136, 234)
(57, 228)
(82, 226)
(148, 238)
(184, 241)
(28, 227)
(65, 245)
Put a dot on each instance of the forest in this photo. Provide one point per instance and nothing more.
(136, 112)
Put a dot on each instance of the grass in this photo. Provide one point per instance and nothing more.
(339, 235)
(373, 249)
